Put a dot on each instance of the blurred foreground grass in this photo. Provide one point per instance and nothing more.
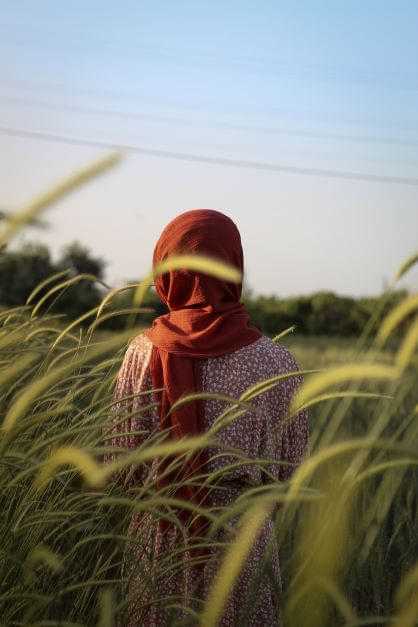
(347, 521)
(63, 545)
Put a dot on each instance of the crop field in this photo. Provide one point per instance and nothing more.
(347, 528)
(346, 522)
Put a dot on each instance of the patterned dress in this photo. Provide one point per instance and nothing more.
(259, 433)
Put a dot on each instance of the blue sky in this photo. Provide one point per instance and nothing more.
(312, 85)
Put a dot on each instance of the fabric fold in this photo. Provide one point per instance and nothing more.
(205, 319)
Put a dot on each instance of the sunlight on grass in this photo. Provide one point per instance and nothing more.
(345, 522)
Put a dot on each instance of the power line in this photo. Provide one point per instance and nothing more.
(195, 158)
(118, 94)
(372, 139)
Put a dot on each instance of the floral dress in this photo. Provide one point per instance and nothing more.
(261, 432)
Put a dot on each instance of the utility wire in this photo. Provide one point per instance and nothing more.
(135, 115)
(196, 158)
(36, 87)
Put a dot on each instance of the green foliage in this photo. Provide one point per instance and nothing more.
(21, 271)
(123, 301)
(63, 543)
(78, 260)
(84, 295)
(345, 523)
(322, 313)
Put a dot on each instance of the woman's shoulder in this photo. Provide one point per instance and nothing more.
(134, 372)
(263, 355)
(138, 353)
(271, 358)
(140, 344)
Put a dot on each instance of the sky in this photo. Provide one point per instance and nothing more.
(299, 120)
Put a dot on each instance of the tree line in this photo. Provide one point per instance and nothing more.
(321, 313)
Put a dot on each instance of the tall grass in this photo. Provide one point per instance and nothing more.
(346, 522)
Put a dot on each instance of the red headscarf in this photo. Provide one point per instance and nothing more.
(205, 319)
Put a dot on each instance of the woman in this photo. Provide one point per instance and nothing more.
(206, 343)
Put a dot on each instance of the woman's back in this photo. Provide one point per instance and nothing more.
(261, 432)
(205, 343)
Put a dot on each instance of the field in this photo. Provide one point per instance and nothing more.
(63, 541)
(346, 523)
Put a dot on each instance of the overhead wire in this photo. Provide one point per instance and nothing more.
(105, 92)
(372, 139)
(198, 158)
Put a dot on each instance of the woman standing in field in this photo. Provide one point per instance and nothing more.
(205, 344)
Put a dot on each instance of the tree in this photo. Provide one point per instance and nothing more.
(21, 271)
(85, 294)
(78, 260)
(335, 315)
